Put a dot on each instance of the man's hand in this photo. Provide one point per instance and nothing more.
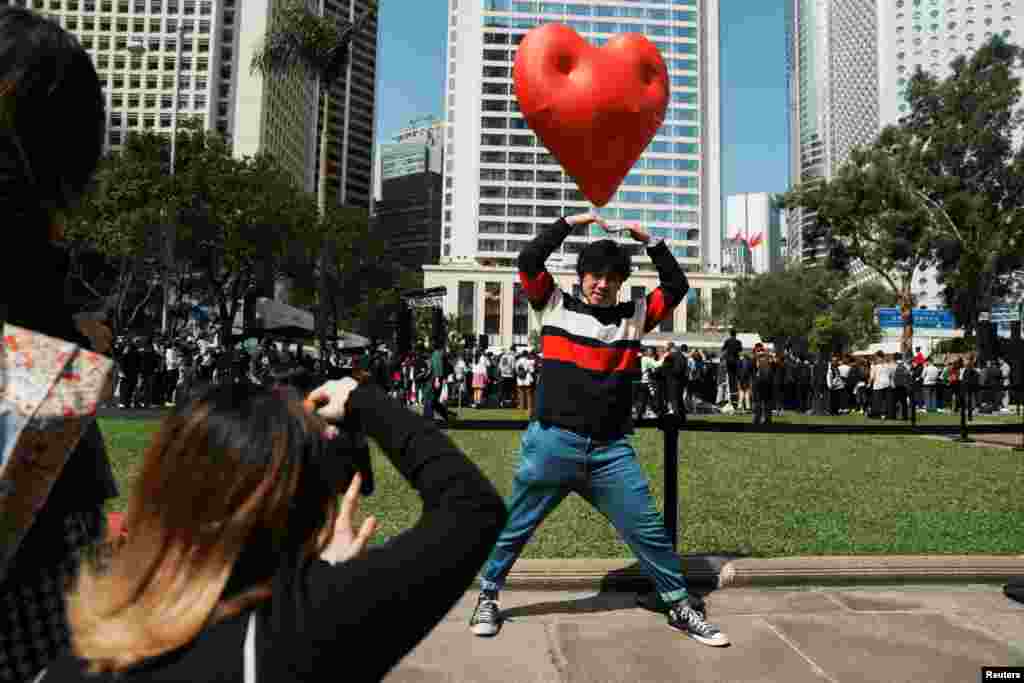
(637, 232)
(585, 219)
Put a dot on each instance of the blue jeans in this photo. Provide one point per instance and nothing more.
(931, 400)
(555, 462)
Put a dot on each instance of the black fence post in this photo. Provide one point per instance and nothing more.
(912, 401)
(964, 393)
(1019, 390)
(670, 426)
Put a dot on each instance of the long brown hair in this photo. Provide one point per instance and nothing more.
(229, 489)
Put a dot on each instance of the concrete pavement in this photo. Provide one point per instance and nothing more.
(884, 634)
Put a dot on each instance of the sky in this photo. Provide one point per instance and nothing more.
(754, 157)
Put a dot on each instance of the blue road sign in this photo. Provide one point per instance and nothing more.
(923, 318)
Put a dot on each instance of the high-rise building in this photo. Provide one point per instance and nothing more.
(412, 150)
(407, 209)
(753, 220)
(849, 63)
(135, 47)
(501, 185)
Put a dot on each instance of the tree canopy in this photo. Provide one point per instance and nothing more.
(944, 187)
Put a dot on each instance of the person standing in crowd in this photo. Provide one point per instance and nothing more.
(432, 388)
(479, 379)
(744, 380)
(881, 385)
(764, 387)
(172, 363)
(1007, 373)
(792, 369)
(646, 388)
(919, 358)
(186, 380)
(149, 366)
(779, 376)
(507, 367)
(731, 350)
(130, 365)
(674, 369)
(836, 386)
(461, 370)
(902, 389)
(930, 385)
(845, 369)
(970, 380)
(524, 381)
(52, 127)
(578, 440)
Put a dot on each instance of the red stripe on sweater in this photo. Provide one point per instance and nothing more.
(657, 309)
(537, 288)
(598, 359)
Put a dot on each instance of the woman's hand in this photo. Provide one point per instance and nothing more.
(329, 401)
(347, 543)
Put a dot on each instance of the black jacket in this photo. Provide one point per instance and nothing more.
(319, 612)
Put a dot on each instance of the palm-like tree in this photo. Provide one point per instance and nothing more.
(301, 42)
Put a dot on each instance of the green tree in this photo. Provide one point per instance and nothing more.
(855, 313)
(783, 304)
(872, 220)
(300, 44)
(114, 236)
(966, 171)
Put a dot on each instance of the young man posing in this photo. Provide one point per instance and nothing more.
(576, 440)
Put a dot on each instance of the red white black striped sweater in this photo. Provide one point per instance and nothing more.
(591, 355)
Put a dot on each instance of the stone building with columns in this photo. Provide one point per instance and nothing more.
(489, 300)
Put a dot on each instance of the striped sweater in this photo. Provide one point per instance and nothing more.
(591, 355)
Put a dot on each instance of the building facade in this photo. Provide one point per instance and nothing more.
(209, 70)
(501, 185)
(409, 217)
(412, 150)
(752, 219)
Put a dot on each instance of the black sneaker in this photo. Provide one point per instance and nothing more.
(684, 618)
(486, 619)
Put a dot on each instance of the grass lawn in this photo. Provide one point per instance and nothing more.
(760, 495)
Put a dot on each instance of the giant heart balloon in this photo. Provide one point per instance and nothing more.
(595, 109)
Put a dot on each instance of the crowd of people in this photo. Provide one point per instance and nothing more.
(881, 386)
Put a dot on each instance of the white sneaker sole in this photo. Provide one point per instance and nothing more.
(718, 641)
(485, 630)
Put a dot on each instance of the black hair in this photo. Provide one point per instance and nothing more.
(604, 256)
(52, 115)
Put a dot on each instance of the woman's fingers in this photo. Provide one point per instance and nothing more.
(350, 503)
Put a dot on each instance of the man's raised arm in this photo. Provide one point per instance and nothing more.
(672, 288)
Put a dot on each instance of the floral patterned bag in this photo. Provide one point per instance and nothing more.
(49, 391)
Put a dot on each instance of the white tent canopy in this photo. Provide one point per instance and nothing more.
(351, 340)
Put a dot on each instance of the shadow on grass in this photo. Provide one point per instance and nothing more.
(629, 588)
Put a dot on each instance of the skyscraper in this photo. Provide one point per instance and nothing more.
(849, 62)
(214, 83)
(501, 185)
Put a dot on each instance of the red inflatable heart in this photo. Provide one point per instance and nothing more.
(595, 109)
